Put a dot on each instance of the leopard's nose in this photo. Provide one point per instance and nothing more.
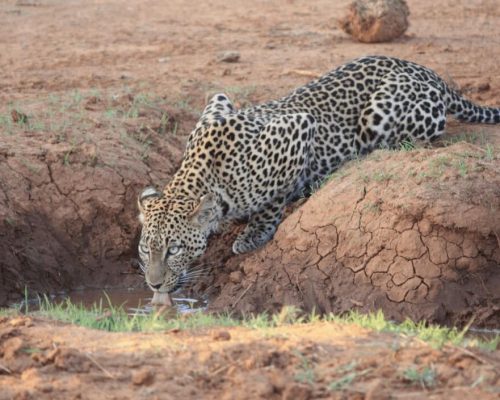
(156, 286)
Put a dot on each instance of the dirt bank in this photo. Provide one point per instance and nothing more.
(43, 360)
(413, 233)
(67, 202)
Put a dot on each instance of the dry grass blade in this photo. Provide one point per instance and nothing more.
(243, 294)
(302, 72)
(98, 365)
(5, 369)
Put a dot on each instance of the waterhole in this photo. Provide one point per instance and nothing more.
(134, 301)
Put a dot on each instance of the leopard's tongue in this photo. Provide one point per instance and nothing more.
(161, 299)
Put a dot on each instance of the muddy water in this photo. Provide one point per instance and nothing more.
(134, 301)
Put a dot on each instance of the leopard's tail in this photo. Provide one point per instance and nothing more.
(466, 111)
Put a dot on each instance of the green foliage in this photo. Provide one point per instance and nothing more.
(305, 373)
(435, 335)
(116, 319)
(426, 377)
(489, 152)
(462, 168)
(349, 375)
(407, 145)
(468, 137)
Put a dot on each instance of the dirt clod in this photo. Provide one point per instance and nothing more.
(72, 360)
(236, 276)
(297, 392)
(11, 346)
(228, 56)
(21, 321)
(142, 377)
(18, 117)
(221, 335)
(372, 21)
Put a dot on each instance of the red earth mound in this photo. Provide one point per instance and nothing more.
(413, 233)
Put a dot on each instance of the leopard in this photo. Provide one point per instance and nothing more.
(248, 164)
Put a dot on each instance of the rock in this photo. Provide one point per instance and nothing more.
(228, 56)
(372, 21)
(297, 392)
(11, 346)
(18, 117)
(142, 377)
(21, 321)
(376, 390)
(221, 335)
(236, 276)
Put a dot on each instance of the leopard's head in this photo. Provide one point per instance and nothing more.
(174, 234)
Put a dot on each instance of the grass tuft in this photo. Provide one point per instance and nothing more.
(305, 373)
(426, 377)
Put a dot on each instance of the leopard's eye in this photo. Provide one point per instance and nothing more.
(173, 250)
(143, 249)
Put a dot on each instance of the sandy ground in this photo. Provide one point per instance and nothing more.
(72, 67)
(46, 360)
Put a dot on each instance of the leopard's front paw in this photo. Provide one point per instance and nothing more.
(243, 245)
(250, 240)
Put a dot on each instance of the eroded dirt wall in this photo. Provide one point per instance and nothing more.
(68, 213)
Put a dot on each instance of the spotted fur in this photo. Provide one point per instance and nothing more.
(251, 162)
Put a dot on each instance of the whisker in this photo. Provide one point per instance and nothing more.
(191, 278)
(201, 273)
(205, 269)
(187, 280)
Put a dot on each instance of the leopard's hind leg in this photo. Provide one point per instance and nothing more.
(402, 108)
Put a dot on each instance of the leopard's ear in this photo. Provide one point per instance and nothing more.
(148, 193)
(218, 106)
(204, 211)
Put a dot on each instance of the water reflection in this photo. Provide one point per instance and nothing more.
(134, 301)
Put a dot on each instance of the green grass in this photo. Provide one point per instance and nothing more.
(116, 319)
(435, 335)
(462, 168)
(305, 373)
(315, 186)
(105, 316)
(71, 115)
(425, 377)
(489, 152)
(478, 138)
(349, 375)
(407, 145)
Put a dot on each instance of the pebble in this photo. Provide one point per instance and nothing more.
(228, 56)
(221, 335)
(236, 276)
(142, 377)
